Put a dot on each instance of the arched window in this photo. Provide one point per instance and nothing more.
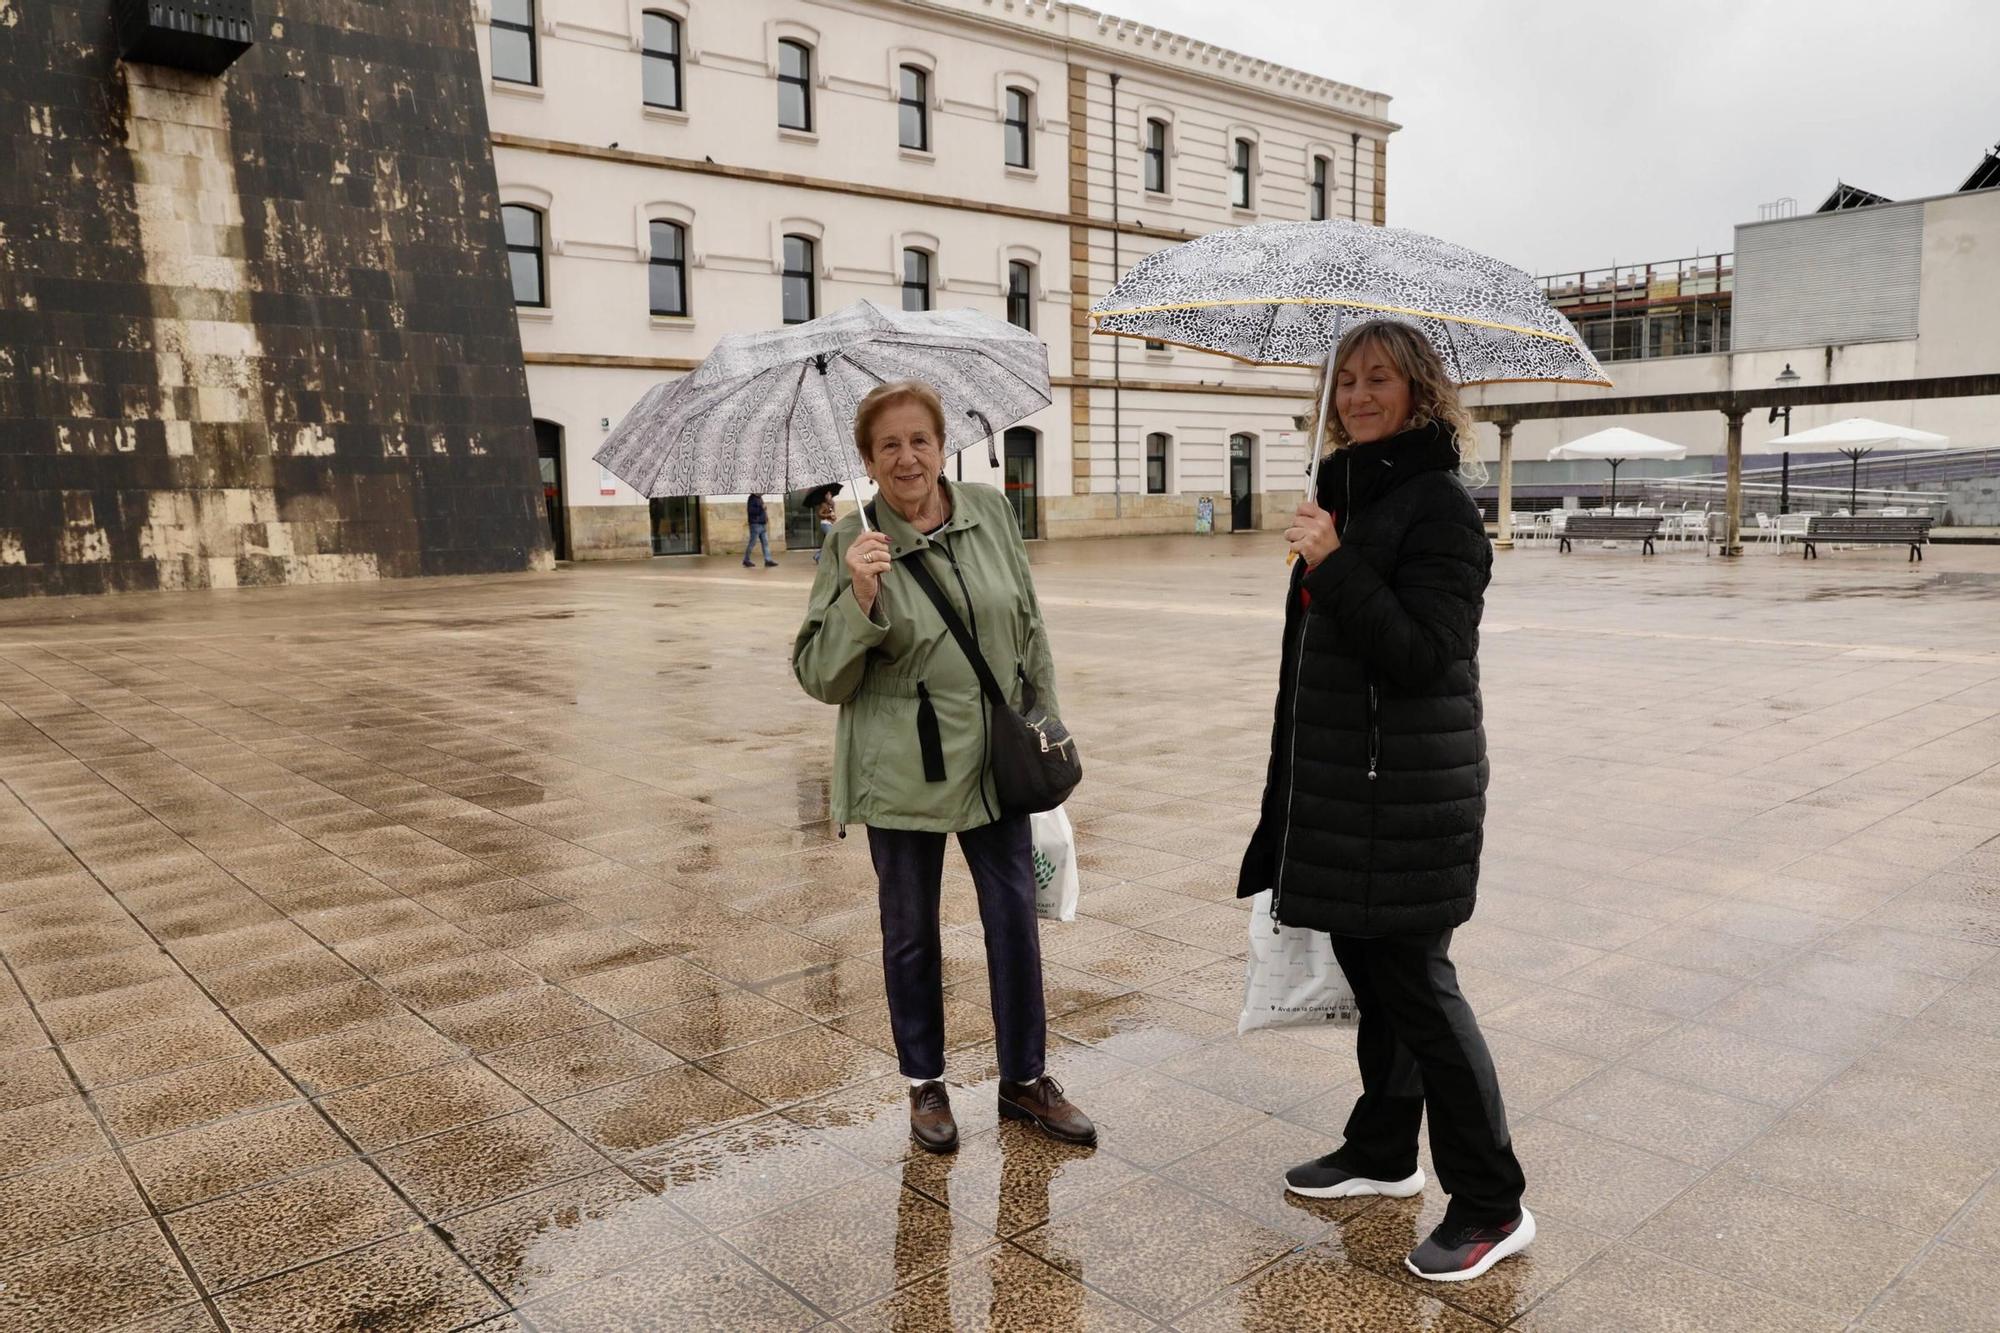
(512, 35)
(795, 107)
(916, 280)
(523, 226)
(1239, 173)
(1019, 140)
(1321, 169)
(666, 273)
(913, 108)
(800, 299)
(1157, 445)
(661, 59)
(1021, 294)
(1156, 156)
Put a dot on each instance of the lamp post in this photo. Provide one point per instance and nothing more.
(1786, 379)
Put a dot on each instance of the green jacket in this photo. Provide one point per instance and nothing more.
(880, 669)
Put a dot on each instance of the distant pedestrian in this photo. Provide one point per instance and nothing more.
(1376, 799)
(826, 515)
(760, 532)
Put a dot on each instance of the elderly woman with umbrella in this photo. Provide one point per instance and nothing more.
(922, 626)
(1375, 801)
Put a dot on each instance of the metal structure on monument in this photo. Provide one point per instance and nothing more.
(774, 411)
(1281, 293)
(204, 36)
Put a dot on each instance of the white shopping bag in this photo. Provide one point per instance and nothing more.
(1055, 866)
(1292, 978)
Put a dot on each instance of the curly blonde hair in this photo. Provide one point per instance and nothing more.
(1433, 395)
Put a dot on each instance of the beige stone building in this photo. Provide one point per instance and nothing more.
(675, 170)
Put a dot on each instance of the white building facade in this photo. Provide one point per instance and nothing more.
(672, 171)
(1892, 291)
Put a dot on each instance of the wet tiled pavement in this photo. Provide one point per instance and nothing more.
(475, 954)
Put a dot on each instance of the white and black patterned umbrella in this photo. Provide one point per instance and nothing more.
(774, 411)
(1280, 293)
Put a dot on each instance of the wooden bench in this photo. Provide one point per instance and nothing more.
(1911, 532)
(1623, 528)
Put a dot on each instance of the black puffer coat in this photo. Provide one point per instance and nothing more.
(1378, 704)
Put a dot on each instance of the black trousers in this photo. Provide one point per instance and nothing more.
(1421, 1050)
(909, 871)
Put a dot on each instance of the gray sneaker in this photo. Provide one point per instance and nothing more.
(1321, 1179)
(1459, 1253)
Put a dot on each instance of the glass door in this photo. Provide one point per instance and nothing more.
(1020, 480)
(1240, 470)
(548, 448)
(677, 525)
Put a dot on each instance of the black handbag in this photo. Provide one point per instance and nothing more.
(1035, 761)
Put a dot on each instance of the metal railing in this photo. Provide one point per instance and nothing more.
(1629, 312)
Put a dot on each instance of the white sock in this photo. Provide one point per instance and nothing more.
(919, 1082)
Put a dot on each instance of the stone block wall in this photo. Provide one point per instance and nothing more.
(256, 328)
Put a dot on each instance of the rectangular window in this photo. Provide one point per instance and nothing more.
(916, 280)
(667, 273)
(1239, 175)
(1021, 294)
(1318, 191)
(795, 108)
(513, 39)
(523, 226)
(913, 109)
(1156, 464)
(662, 61)
(1156, 156)
(1018, 104)
(799, 300)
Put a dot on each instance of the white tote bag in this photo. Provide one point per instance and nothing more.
(1292, 978)
(1055, 866)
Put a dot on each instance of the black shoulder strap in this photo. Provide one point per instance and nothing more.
(914, 562)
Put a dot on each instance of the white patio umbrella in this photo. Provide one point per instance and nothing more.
(1617, 445)
(1854, 439)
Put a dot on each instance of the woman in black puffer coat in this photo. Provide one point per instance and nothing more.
(1376, 795)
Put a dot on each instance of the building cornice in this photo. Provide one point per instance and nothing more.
(1082, 33)
(605, 361)
(789, 180)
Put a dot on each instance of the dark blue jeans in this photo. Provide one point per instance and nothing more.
(760, 535)
(909, 869)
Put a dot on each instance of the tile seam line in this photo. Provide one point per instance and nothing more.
(255, 1044)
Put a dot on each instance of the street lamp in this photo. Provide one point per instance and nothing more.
(1786, 379)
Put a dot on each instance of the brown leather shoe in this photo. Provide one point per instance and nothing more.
(931, 1124)
(1044, 1103)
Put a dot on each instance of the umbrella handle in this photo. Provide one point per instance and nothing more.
(1318, 433)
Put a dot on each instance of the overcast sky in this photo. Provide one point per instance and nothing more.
(1569, 136)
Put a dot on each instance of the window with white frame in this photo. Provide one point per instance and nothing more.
(913, 108)
(1157, 445)
(666, 272)
(1021, 294)
(1155, 153)
(525, 253)
(1020, 139)
(661, 60)
(1242, 154)
(916, 279)
(795, 106)
(801, 300)
(512, 34)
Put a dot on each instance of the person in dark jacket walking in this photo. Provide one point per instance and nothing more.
(760, 532)
(1376, 794)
